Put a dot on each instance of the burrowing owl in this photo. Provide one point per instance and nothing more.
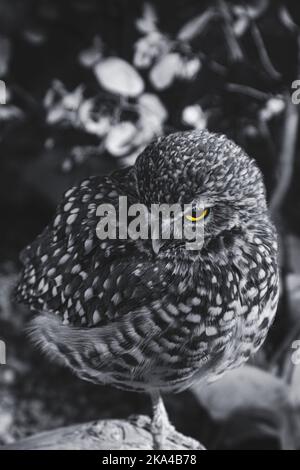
(122, 313)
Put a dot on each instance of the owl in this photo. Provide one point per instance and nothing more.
(154, 316)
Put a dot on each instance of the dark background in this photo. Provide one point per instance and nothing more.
(243, 88)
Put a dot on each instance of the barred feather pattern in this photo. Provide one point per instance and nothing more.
(117, 313)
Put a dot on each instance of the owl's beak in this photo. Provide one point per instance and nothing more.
(157, 243)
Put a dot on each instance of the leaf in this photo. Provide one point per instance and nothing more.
(91, 56)
(245, 13)
(241, 25)
(94, 122)
(194, 116)
(119, 141)
(73, 99)
(150, 48)
(62, 106)
(54, 94)
(118, 76)
(165, 71)
(34, 36)
(151, 104)
(10, 113)
(274, 106)
(287, 20)
(147, 23)
(189, 68)
(196, 26)
(130, 159)
(252, 9)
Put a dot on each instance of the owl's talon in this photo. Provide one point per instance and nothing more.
(163, 431)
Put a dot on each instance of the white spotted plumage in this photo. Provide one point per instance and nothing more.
(116, 312)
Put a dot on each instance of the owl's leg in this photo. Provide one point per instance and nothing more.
(162, 429)
(160, 425)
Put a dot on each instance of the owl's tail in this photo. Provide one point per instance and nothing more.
(80, 349)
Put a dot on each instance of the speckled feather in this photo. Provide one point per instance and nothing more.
(115, 312)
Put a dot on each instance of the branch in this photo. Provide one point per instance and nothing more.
(234, 48)
(248, 91)
(131, 434)
(285, 174)
(263, 54)
(286, 157)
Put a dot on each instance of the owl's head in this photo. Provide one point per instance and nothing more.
(207, 171)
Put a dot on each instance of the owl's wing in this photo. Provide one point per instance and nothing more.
(66, 263)
(149, 336)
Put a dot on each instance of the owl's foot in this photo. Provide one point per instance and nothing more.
(160, 424)
(162, 430)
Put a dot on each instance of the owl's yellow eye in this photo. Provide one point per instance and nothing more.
(196, 215)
